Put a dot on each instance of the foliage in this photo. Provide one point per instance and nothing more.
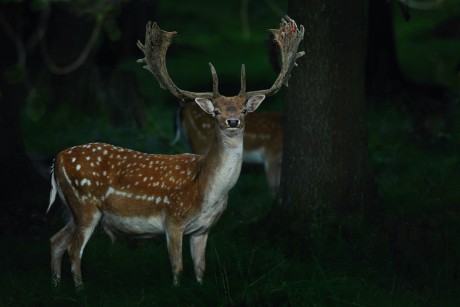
(422, 39)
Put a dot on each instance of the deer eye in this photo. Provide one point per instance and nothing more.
(244, 111)
(216, 112)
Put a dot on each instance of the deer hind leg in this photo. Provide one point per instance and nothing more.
(198, 251)
(174, 237)
(84, 228)
(59, 243)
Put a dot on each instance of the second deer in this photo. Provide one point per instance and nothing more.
(146, 195)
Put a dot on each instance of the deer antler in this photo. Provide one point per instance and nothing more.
(156, 46)
(157, 42)
(288, 37)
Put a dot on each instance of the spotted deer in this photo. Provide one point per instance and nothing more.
(262, 140)
(146, 195)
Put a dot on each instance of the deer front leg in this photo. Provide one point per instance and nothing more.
(198, 251)
(174, 240)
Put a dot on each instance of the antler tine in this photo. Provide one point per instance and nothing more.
(215, 81)
(155, 48)
(288, 37)
(243, 81)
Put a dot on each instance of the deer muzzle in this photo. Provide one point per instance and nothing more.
(233, 122)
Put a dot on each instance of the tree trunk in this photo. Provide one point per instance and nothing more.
(22, 190)
(326, 178)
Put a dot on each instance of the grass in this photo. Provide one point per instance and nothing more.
(249, 270)
(238, 273)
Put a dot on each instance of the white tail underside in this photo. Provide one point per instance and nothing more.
(53, 191)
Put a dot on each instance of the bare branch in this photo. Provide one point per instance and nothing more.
(422, 4)
(15, 37)
(62, 70)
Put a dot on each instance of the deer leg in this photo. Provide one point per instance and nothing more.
(174, 240)
(273, 173)
(84, 229)
(198, 251)
(59, 243)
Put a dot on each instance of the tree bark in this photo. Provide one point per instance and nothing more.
(326, 179)
(22, 190)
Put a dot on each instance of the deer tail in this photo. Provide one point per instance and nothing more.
(53, 189)
(177, 126)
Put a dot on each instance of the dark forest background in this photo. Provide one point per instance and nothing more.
(68, 76)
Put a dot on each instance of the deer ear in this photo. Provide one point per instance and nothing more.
(205, 104)
(253, 103)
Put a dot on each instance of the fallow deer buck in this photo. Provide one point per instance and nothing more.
(145, 195)
(262, 141)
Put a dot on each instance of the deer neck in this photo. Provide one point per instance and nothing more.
(221, 166)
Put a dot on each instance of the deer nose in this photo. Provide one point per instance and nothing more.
(233, 123)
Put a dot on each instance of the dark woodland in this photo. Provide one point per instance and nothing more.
(367, 211)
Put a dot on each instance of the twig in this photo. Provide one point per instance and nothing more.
(422, 5)
(245, 18)
(266, 274)
(38, 35)
(62, 70)
(275, 8)
(17, 40)
(223, 274)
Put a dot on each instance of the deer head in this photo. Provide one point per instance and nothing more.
(229, 112)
